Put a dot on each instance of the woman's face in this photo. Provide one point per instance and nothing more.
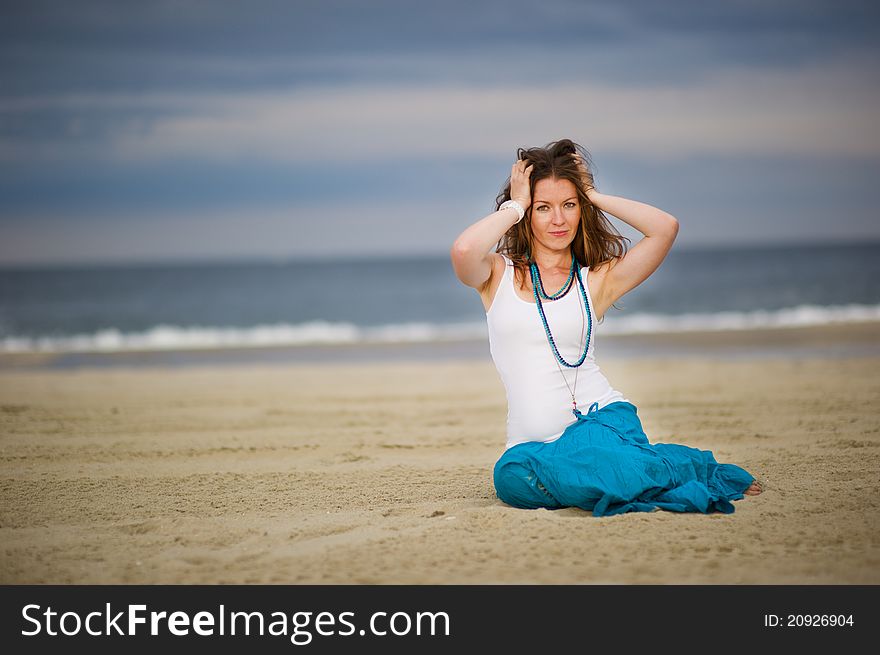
(556, 212)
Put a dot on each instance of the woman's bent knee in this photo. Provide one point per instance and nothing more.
(517, 485)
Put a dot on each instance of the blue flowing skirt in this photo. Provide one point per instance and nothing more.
(603, 462)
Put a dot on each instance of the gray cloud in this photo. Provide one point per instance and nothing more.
(52, 46)
(819, 111)
(115, 119)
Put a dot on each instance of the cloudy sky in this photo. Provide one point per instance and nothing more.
(155, 131)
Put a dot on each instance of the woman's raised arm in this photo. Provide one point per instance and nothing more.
(637, 265)
(660, 230)
(470, 253)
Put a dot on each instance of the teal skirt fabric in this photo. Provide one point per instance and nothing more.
(604, 463)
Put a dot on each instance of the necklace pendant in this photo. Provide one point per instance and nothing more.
(574, 405)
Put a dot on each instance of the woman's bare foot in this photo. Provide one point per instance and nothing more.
(754, 489)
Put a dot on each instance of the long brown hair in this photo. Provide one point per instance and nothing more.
(596, 240)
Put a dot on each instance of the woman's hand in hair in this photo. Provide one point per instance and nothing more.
(586, 175)
(519, 183)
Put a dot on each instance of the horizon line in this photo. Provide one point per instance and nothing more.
(214, 260)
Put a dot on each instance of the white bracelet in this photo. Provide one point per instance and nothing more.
(513, 204)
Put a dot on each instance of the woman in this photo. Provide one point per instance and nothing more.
(559, 265)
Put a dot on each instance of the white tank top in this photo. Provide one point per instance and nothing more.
(538, 400)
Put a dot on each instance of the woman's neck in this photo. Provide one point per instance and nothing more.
(548, 260)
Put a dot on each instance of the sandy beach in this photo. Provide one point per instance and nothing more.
(372, 472)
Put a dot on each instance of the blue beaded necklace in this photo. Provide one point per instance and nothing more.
(563, 289)
(536, 285)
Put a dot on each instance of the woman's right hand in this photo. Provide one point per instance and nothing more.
(519, 183)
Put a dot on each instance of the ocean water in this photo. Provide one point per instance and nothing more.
(407, 300)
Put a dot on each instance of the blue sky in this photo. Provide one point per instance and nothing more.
(161, 131)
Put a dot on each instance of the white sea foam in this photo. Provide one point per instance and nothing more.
(170, 337)
(801, 316)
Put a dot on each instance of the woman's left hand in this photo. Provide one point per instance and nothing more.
(586, 176)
